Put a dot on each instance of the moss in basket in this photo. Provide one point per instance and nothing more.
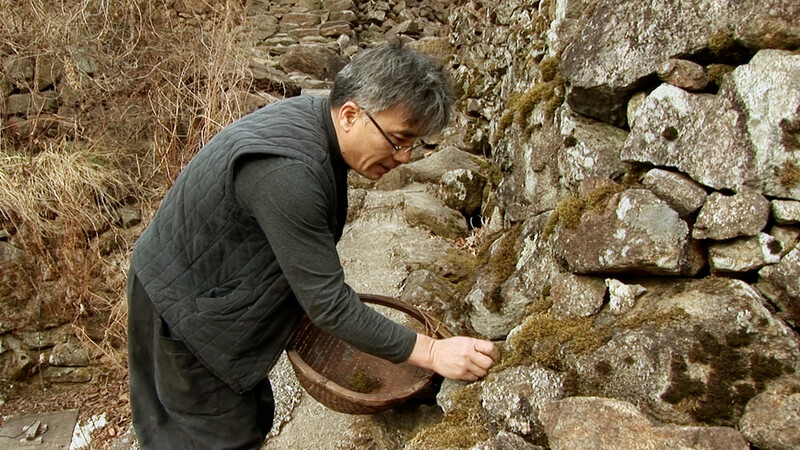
(363, 382)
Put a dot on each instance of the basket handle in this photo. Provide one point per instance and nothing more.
(431, 323)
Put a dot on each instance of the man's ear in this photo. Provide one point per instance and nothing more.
(347, 115)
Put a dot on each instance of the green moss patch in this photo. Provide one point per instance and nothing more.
(500, 260)
(549, 91)
(363, 382)
(716, 72)
(571, 208)
(539, 339)
(790, 175)
(462, 428)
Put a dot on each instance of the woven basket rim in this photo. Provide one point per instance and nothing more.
(308, 375)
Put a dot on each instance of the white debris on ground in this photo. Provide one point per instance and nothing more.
(82, 436)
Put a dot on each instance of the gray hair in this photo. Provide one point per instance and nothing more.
(391, 75)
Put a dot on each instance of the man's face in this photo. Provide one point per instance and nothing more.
(368, 145)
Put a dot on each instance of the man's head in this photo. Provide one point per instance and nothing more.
(382, 101)
(395, 76)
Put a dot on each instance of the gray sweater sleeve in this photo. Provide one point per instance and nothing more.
(286, 197)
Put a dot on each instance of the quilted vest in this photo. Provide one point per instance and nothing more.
(202, 245)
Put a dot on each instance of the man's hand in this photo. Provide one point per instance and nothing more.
(457, 358)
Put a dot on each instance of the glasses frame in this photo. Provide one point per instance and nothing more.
(401, 149)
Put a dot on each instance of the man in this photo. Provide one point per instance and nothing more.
(244, 243)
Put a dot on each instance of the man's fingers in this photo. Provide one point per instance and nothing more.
(487, 348)
(483, 361)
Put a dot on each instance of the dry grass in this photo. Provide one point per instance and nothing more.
(139, 91)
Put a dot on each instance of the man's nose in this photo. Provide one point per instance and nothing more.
(402, 157)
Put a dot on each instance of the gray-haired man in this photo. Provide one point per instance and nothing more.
(244, 243)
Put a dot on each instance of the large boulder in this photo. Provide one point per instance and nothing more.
(729, 216)
(688, 352)
(744, 138)
(512, 398)
(780, 283)
(701, 135)
(772, 420)
(591, 150)
(768, 92)
(606, 423)
(636, 232)
(626, 43)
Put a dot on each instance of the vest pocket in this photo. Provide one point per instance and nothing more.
(183, 384)
(228, 298)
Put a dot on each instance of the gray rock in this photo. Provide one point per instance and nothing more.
(606, 423)
(780, 283)
(344, 15)
(636, 232)
(16, 365)
(701, 135)
(17, 104)
(681, 192)
(339, 5)
(48, 72)
(591, 150)
(334, 29)
(69, 354)
(625, 42)
(486, 319)
(577, 296)
(772, 421)
(85, 62)
(729, 216)
(688, 352)
(67, 374)
(45, 338)
(129, 216)
(425, 210)
(495, 309)
(787, 236)
(786, 211)
(530, 183)
(19, 70)
(622, 297)
(506, 441)
(315, 60)
(302, 33)
(683, 74)
(462, 190)
(447, 397)
(512, 397)
(433, 168)
(744, 254)
(537, 265)
(437, 296)
(9, 254)
(636, 102)
(304, 20)
(768, 24)
(768, 92)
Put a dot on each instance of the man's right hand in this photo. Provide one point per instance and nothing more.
(458, 358)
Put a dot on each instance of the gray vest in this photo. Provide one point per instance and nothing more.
(202, 246)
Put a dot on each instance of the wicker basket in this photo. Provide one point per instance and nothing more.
(324, 365)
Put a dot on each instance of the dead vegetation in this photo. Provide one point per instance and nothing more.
(119, 97)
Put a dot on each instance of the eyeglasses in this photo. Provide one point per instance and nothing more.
(397, 149)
